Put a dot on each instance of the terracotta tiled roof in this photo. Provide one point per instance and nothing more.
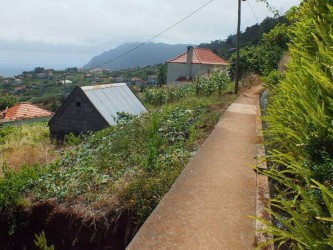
(23, 111)
(200, 56)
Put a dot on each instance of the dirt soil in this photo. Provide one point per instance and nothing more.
(66, 229)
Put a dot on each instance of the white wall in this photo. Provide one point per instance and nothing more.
(176, 70)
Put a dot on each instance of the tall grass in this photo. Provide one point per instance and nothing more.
(26, 145)
(300, 134)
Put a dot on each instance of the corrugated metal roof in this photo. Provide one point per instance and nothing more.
(109, 99)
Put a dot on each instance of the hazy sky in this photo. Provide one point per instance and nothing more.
(63, 33)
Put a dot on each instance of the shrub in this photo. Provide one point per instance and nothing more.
(300, 134)
(7, 101)
(273, 78)
(264, 57)
(216, 83)
(207, 86)
(220, 79)
(155, 96)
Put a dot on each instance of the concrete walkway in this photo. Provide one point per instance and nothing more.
(209, 205)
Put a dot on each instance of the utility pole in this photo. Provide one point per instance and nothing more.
(237, 46)
(64, 86)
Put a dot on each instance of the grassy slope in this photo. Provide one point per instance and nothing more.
(128, 166)
(26, 145)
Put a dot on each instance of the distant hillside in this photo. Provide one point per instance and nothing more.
(149, 54)
(252, 35)
(156, 53)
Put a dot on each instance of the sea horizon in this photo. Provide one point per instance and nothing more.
(13, 71)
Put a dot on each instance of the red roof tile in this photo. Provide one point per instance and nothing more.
(200, 56)
(25, 110)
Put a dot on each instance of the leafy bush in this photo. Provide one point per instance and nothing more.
(155, 96)
(303, 221)
(72, 139)
(220, 79)
(300, 134)
(162, 75)
(12, 185)
(217, 82)
(163, 95)
(7, 101)
(273, 78)
(4, 132)
(264, 57)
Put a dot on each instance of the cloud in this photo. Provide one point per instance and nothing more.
(85, 27)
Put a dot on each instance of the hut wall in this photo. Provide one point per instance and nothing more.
(76, 115)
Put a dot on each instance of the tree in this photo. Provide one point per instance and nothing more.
(7, 101)
(162, 75)
(39, 70)
(264, 57)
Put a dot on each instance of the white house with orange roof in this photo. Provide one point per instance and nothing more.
(24, 113)
(193, 62)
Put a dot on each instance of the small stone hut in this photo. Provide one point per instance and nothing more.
(93, 108)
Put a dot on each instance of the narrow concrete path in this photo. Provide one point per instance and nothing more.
(209, 205)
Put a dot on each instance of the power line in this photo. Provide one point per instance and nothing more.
(159, 34)
(248, 1)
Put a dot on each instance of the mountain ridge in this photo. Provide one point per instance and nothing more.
(148, 54)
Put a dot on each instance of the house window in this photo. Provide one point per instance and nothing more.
(78, 104)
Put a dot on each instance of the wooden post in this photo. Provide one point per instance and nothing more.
(64, 86)
(237, 47)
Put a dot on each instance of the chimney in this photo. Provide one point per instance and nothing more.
(189, 61)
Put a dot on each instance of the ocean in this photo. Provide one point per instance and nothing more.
(10, 72)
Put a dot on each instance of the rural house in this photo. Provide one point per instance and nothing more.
(65, 82)
(24, 113)
(93, 108)
(196, 61)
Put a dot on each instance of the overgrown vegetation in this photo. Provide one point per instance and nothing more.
(129, 166)
(250, 37)
(162, 75)
(202, 86)
(265, 56)
(26, 145)
(300, 134)
(7, 101)
(48, 92)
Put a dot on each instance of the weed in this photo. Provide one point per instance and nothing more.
(26, 145)
(41, 242)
